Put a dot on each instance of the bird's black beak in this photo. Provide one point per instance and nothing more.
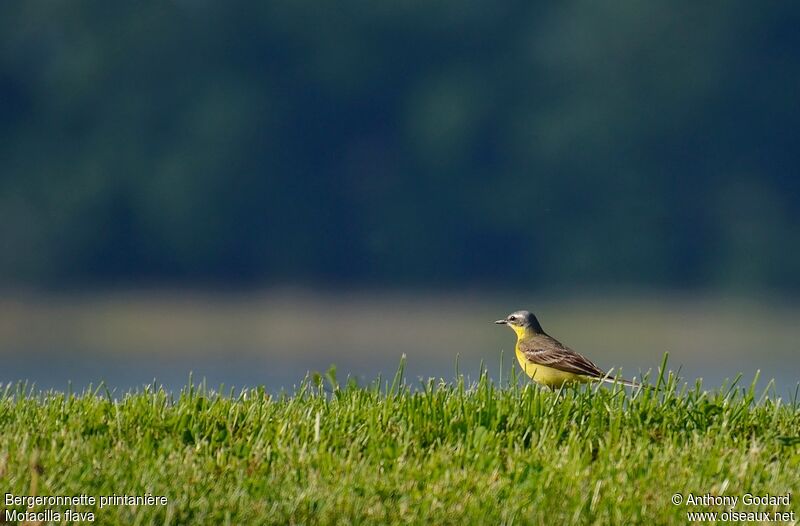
(501, 322)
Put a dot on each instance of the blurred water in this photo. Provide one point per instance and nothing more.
(128, 373)
(63, 371)
(274, 340)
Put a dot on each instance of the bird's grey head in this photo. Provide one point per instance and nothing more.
(522, 319)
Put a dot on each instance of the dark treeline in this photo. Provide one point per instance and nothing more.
(410, 143)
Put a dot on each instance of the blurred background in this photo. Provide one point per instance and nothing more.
(252, 190)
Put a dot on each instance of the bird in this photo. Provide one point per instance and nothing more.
(549, 362)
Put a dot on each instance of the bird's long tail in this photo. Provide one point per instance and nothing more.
(611, 378)
(629, 383)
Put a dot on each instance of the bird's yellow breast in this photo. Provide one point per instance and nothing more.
(546, 375)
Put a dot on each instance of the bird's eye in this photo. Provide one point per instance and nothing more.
(512, 318)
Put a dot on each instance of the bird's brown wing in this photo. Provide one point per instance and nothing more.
(549, 352)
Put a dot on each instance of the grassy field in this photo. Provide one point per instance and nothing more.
(399, 452)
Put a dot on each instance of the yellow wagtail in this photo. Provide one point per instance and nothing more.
(548, 361)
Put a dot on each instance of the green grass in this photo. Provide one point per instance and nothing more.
(399, 453)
